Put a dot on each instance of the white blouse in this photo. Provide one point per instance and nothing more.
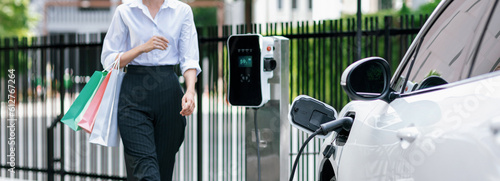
(132, 25)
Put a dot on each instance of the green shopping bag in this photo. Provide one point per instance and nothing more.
(77, 109)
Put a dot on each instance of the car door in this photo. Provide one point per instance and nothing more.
(445, 124)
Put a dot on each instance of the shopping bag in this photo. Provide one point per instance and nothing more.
(79, 106)
(105, 131)
(88, 118)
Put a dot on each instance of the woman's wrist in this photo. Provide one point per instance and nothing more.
(192, 91)
(141, 49)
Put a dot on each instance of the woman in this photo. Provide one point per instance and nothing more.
(149, 37)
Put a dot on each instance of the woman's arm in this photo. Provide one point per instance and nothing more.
(189, 61)
(188, 98)
(156, 42)
(115, 41)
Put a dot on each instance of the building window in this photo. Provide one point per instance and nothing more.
(280, 4)
(310, 4)
(92, 5)
(294, 4)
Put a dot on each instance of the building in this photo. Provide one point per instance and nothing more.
(264, 11)
(94, 16)
(306, 10)
(73, 16)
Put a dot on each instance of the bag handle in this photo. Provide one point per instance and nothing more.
(113, 65)
(117, 62)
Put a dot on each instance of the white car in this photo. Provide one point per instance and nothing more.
(438, 118)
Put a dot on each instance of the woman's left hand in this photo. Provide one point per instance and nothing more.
(188, 103)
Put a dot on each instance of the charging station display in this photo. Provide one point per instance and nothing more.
(244, 70)
(245, 61)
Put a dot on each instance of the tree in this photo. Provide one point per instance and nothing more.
(428, 8)
(206, 16)
(15, 18)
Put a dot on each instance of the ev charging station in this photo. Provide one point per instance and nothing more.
(258, 80)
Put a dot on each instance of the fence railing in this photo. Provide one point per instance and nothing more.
(50, 71)
(319, 52)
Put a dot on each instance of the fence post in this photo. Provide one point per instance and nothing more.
(387, 39)
(60, 80)
(50, 153)
(199, 120)
(50, 148)
(358, 30)
(16, 61)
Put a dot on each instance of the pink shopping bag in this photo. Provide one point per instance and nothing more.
(88, 119)
(105, 131)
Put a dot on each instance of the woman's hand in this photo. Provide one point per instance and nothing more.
(188, 98)
(156, 42)
(188, 103)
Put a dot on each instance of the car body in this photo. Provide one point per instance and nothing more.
(440, 123)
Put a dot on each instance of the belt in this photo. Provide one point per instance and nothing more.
(149, 69)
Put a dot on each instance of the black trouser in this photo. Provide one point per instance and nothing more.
(151, 127)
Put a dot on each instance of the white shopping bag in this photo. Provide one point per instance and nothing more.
(105, 131)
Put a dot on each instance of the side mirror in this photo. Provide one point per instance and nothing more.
(367, 79)
(308, 114)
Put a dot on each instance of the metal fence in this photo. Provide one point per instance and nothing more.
(51, 70)
(319, 52)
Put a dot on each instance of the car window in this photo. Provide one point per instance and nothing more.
(488, 58)
(444, 55)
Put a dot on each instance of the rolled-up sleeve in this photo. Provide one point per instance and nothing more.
(188, 45)
(115, 40)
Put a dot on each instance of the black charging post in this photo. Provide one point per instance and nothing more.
(258, 80)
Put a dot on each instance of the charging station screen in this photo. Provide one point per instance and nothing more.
(244, 70)
(245, 61)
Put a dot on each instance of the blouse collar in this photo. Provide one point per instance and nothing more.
(166, 4)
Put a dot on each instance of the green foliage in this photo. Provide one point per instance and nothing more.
(204, 17)
(15, 18)
(433, 72)
(405, 9)
(428, 8)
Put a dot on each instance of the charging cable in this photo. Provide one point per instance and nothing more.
(325, 128)
(257, 140)
(300, 152)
